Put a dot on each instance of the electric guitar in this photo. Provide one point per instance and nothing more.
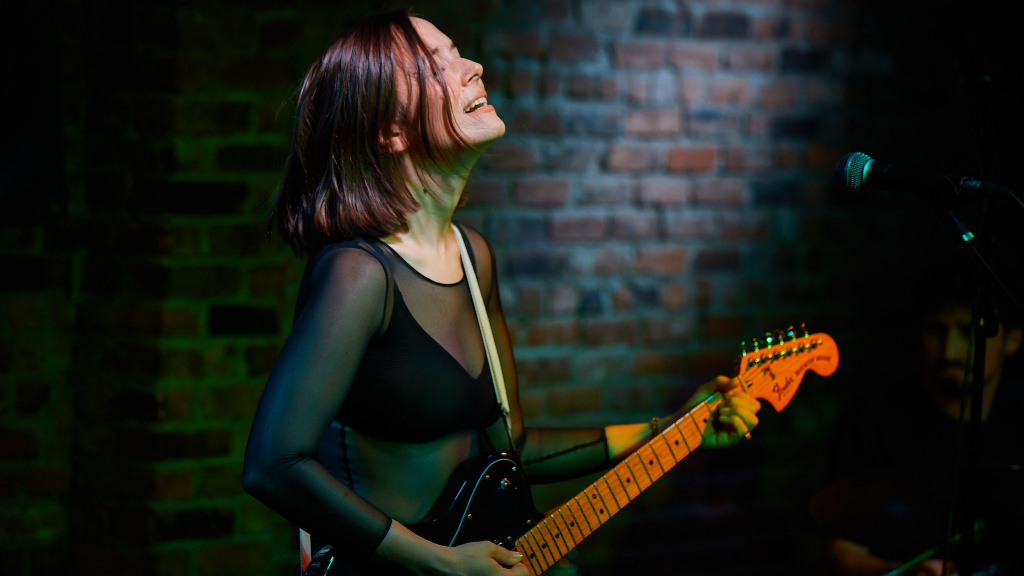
(490, 497)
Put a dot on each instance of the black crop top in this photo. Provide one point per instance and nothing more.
(380, 348)
(426, 392)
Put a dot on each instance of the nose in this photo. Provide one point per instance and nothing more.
(474, 70)
(955, 346)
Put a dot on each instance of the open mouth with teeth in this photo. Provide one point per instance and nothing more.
(475, 105)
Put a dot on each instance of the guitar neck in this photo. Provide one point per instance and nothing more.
(564, 529)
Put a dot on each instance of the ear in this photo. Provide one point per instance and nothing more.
(393, 140)
(1012, 341)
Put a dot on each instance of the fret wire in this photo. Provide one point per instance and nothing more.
(568, 528)
(685, 448)
(553, 539)
(653, 459)
(590, 500)
(568, 540)
(529, 554)
(584, 512)
(629, 465)
(696, 426)
(682, 434)
(662, 451)
(624, 488)
(541, 549)
(667, 450)
(610, 493)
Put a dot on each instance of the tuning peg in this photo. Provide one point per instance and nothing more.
(803, 327)
(768, 338)
(792, 336)
(757, 346)
(743, 348)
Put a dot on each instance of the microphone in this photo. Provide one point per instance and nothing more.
(857, 170)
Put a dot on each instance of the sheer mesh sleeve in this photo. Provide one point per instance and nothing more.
(548, 454)
(341, 307)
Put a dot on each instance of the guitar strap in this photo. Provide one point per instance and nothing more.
(486, 333)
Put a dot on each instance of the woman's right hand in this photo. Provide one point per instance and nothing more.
(486, 559)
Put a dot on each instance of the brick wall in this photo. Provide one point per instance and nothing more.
(661, 195)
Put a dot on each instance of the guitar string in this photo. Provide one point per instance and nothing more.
(755, 379)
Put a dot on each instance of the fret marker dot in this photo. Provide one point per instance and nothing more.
(601, 511)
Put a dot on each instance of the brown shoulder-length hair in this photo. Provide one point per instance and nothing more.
(341, 181)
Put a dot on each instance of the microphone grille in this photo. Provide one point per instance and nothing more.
(851, 170)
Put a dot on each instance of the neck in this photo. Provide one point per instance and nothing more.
(428, 226)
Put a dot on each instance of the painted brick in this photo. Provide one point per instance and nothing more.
(732, 25)
(706, 123)
(528, 44)
(654, 363)
(574, 157)
(573, 48)
(596, 87)
(749, 159)
(542, 369)
(564, 299)
(665, 192)
(689, 55)
(510, 155)
(622, 298)
(692, 159)
(731, 91)
(607, 15)
(661, 22)
(661, 260)
(537, 122)
(577, 400)
(693, 90)
(610, 263)
(638, 54)
(550, 83)
(720, 191)
(521, 82)
(779, 94)
(552, 332)
(690, 224)
(577, 228)
(654, 123)
(669, 329)
(598, 332)
(606, 191)
(635, 225)
(546, 193)
(756, 58)
(630, 158)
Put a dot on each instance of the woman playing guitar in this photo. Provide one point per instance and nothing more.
(383, 386)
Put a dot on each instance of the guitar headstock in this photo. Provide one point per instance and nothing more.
(778, 362)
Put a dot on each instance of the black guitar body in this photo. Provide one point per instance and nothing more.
(486, 498)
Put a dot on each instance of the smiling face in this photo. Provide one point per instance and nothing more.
(475, 120)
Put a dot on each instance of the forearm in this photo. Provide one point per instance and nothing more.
(848, 558)
(401, 546)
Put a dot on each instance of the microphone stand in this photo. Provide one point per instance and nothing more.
(965, 519)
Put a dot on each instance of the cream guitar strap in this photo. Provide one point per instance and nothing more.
(485, 330)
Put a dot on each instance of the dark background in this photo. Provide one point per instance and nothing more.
(663, 193)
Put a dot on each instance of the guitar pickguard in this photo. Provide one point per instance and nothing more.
(490, 500)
